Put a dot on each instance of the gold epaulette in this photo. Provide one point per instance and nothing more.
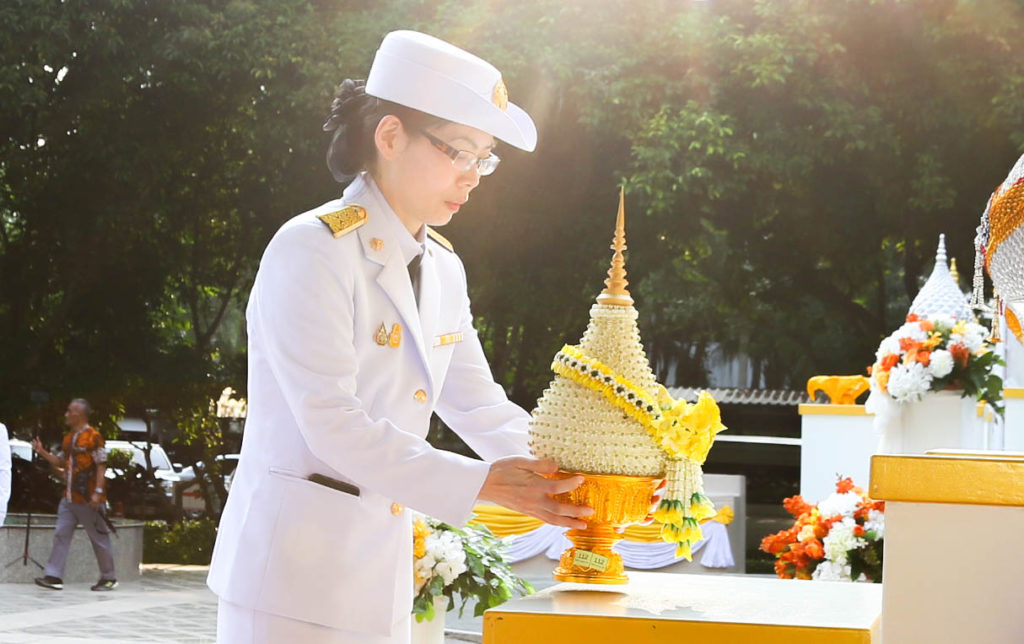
(344, 221)
(440, 239)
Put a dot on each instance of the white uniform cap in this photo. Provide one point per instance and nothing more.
(432, 76)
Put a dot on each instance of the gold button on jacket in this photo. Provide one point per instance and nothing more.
(420, 396)
(396, 508)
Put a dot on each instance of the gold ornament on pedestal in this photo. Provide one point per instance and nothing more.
(604, 417)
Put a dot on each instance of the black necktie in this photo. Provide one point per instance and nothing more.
(414, 277)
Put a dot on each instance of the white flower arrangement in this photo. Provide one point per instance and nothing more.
(465, 562)
(443, 556)
(934, 354)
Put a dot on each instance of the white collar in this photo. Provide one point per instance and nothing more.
(408, 245)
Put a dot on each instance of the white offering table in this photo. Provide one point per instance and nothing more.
(835, 441)
(1013, 426)
(658, 608)
(953, 566)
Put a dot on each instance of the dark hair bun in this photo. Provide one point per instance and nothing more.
(353, 119)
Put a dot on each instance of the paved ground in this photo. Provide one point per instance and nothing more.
(169, 604)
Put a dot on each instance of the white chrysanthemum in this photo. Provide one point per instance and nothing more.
(909, 382)
(840, 541)
(974, 337)
(831, 571)
(888, 345)
(842, 504)
(435, 547)
(424, 567)
(943, 322)
(911, 330)
(449, 571)
(444, 557)
(875, 523)
(941, 363)
(972, 341)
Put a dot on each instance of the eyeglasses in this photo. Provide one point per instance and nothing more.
(462, 159)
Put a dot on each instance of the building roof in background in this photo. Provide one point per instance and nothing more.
(733, 396)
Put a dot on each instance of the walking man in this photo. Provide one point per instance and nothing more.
(82, 459)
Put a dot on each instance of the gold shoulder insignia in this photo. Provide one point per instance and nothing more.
(440, 239)
(345, 220)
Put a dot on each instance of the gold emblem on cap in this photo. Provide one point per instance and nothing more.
(381, 337)
(500, 95)
(345, 220)
(376, 243)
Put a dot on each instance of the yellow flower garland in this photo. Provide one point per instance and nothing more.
(683, 431)
(571, 363)
(680, 429)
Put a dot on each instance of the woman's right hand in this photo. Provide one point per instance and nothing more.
(516, 482)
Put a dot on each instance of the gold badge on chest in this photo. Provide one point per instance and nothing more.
(386, 339)
(381, 337)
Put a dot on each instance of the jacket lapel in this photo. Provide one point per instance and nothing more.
(393, 279)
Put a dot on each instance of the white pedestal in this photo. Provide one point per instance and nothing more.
(1013, 354)
(431, 632)
(943, 419)
(835, 441)
(1013, 425)
(940, 583)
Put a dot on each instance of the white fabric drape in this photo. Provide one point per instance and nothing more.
(551, 541)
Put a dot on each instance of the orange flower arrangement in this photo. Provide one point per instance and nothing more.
(840, 538)
(935, 354)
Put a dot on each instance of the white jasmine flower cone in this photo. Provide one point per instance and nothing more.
(604, 412)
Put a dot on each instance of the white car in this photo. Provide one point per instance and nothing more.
(192, 503)
(21, 449)
(162, 468)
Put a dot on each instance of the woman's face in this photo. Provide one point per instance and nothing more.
(419, 180)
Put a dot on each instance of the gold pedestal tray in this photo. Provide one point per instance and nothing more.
(618, 501)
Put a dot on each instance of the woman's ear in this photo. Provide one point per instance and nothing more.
(390, 137)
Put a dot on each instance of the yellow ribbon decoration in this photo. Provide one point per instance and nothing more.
(504, 523)
(680, 429)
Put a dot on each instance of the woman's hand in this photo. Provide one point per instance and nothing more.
(516, 482)
(659, 492)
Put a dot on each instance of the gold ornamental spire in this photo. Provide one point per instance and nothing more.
(615, 286)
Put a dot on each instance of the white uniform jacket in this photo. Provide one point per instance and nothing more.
(325, 397)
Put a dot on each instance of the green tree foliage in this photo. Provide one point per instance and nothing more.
(140, 185)
(793, 163)
(789, 166)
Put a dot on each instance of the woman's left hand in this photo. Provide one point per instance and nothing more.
(655, 501)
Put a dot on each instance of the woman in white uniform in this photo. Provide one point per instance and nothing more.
(359, 328)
